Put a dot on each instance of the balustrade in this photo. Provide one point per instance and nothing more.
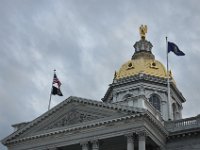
(183, 123)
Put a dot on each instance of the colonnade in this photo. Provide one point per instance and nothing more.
(130, 143)
(133, 142)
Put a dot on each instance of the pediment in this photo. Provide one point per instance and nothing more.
(70, 113)
(74, 117)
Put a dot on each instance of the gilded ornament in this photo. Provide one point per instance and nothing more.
(143, 31)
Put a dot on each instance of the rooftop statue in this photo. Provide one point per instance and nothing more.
(143, 31)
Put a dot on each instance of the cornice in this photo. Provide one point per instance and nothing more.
(186, 133)
(138, 77)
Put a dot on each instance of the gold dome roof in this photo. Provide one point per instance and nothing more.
(142, 62)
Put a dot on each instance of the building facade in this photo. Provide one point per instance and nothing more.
(135, 114)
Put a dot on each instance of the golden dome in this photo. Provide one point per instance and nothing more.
(142, 62)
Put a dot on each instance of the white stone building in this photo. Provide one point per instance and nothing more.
(134, 114)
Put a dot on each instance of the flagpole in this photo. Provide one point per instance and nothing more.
(51, 92)
(168, 82)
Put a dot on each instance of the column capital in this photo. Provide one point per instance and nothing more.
(94, 141)
(128, 135)
(84, 145)
(95, 144)
(142, 135)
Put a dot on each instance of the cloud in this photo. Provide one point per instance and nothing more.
(86, 41)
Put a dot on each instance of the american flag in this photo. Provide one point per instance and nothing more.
(56, 86)
(56, 80)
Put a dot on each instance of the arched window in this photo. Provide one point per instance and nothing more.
(155, 101)
(174, 110)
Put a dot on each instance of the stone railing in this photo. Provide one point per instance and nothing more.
(182, 124)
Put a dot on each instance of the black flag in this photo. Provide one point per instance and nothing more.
(56, 86)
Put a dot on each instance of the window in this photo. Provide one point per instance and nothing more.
(174, 110)
(155, 101)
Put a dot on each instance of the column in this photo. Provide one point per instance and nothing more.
(142, 141)
(95, 145)
(84, 145)
(130, 142)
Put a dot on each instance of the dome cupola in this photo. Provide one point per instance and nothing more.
(141, 82)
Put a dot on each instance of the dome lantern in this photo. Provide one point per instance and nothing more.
(143, 45)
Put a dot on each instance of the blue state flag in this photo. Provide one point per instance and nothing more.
(174, 48)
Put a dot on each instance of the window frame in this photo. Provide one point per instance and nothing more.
(155, 101)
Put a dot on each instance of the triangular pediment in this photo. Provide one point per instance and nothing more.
(70, 113)
(73, 117)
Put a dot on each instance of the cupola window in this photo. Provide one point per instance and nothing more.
(174, 109)
(155, 101)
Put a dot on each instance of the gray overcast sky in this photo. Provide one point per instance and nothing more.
(86, 41)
